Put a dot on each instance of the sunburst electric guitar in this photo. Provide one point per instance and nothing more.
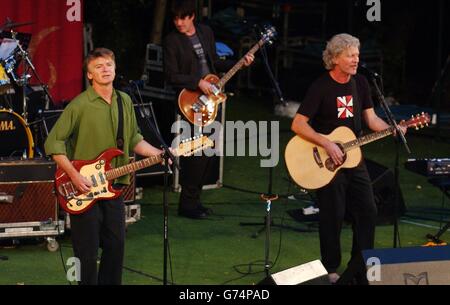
(309, 164)
(100, 173)
(201, 109)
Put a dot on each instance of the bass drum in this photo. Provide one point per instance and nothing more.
(16, 140)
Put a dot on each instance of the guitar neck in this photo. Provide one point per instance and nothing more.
(367, 139)
(132, 167)
(238, 65)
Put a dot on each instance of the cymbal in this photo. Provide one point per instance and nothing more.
(11, 25)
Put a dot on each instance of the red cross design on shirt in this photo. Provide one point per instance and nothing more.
(345, 107)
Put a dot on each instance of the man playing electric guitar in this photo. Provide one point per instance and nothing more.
(341, 97)
(189, 55)
(88, 126)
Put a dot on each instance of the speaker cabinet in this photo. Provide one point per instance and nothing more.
(28, 205)
(312, 273)
(408, 266)
(31, 201)
(27, 187)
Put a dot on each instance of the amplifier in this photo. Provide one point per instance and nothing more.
(129, 193)
(31, 202)
(429, 167)
(28, 189)
(27, 170)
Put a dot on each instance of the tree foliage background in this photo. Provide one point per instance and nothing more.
(407, 35)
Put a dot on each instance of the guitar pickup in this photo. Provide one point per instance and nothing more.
(204, 99)
(102, 178)
(94, 181)
(215, 90)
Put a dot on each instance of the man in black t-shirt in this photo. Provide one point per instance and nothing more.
(341, 97)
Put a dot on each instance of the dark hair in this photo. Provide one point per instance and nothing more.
(96, 53)
(182, 8)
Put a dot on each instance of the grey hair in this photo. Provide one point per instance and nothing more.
(335, 46)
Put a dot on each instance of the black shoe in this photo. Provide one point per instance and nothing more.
(205, 210)
(193, 214)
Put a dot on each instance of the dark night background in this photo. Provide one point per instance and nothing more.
(407, 38)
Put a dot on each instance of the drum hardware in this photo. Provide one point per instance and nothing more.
(9, 24)
(16, 138)
(23, 80)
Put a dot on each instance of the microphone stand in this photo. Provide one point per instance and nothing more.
(23, 81)
(400, 136)
(167, 155)
(268, 197)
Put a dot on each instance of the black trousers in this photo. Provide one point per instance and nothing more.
(102, 226)
(194, 172)
(349, 196)
(192, 178)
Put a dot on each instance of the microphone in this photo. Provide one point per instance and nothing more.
(139, 83)
(363, 66)
(123, 82)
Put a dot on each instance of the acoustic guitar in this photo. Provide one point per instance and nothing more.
(309, 164)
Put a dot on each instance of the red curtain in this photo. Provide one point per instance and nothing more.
(56, 46)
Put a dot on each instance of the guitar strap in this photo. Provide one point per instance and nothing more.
(356, 107)
(119, 139)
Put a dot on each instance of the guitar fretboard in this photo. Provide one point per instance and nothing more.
(132, 167)
(238, 65)
(367, 139)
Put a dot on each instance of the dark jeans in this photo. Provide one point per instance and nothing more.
(348, 196)
(194, 172)
(192, 178)
(103, 225)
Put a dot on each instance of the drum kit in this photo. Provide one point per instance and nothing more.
(16, 138)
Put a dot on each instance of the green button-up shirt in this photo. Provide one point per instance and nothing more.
(88, 126)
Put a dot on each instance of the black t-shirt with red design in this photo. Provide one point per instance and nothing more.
(329, 104)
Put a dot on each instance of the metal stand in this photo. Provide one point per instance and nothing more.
(167, 156)
(443, 183)
(268, 199)
(269, 194)
(23, 80)
(400, 138)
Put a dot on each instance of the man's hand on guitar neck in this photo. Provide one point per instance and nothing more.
(248, 59)
(403, 128)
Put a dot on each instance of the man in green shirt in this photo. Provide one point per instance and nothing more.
(87, 127)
